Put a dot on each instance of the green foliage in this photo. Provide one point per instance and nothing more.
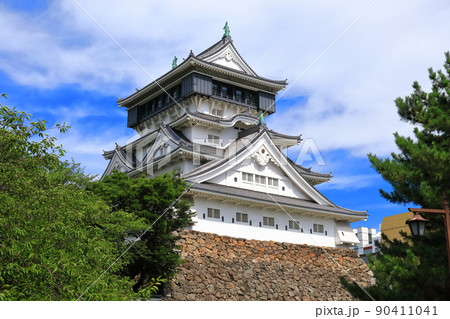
(420, 173)
(155, 255)
(56, 239)
(416, 268)
(152, 287)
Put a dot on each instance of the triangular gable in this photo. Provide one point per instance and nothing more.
(162, 145)
(270, 172)
(263, 151)
(117, 163)
(228, 56)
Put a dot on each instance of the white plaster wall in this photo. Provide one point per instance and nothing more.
(270, 170)
(199, 135)
(231, 110)
(204, 107)
(255, 215)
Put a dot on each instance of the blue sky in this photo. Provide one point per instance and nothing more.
(59, 65)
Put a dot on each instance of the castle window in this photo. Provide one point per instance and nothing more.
(241, 217)
(318, 228)
(152, 106)
(231, 92)
(269, 221)
(175, 92)
(246, 177)
(294, 224)
(166, 99)
(226, 91)
(251, 98)
(213, 213)
(213, 139)
(272, 182)
(159, 102)
(239, 95)
(260, 179)
(217, 112)
(215, 88)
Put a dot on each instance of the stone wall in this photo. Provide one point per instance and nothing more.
(225, 268)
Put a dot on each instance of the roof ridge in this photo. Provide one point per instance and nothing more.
(308, 170)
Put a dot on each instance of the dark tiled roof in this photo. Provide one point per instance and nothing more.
(280, 135)
(307, 171)
(200, 59)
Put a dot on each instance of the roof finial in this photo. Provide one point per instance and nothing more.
(174, 62)
(261, 117)
(226, 28)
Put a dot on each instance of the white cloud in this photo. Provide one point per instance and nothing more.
(87, 147)
(350, 183)
(350, 91)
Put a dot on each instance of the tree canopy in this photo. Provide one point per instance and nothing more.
(156, 200)
(416, 268)
(56, 239)
(420, 173)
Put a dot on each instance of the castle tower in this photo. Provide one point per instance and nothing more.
(205, 120)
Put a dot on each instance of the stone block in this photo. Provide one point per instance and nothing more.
(226, 268)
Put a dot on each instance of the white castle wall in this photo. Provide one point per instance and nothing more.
(199, 135)
(255, 231)
(233, 177)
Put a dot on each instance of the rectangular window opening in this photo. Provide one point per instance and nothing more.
(213, 213)
(214, 139)
(217, 112)
(318, 228)
(272, 182)
(241, 217)
(260, 179)
(268, 221)
(294, 224)
(246, 177)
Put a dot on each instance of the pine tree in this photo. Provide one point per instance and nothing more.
(416, 268)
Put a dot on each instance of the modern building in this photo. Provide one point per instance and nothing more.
(204, 119)
(369, 240)
(391, 226)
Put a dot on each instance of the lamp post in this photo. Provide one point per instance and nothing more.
(417, 223)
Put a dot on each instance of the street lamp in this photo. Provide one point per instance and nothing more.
(417, 225)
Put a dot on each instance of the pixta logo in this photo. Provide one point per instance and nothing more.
(309, 152)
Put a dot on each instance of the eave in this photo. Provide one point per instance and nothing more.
(272, 201)
(192, 64)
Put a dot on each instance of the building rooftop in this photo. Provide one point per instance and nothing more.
(207, 62)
